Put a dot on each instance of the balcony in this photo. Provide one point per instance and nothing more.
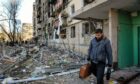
(99, 9)
(39, 29)
(53, 14)
(92, 9)
(65, 23)
(39, 20)
(65, 14)
(38, 7)
(50, 30)
(38, 2)
(52, 1)
(39, 14)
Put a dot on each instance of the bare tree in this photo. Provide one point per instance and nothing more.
(9, 14)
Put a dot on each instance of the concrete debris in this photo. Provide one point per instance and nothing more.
(8, 60)
(39, 78)
(135, 81)
(68, 78)
(35, 49)
(13, 56)
(11, 81)
(33, 64)
(124, 76)
(7, 80)
(38, 72)
(34, 61)
(65, 73)
(2, 77)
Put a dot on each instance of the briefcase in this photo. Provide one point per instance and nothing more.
(85, 71)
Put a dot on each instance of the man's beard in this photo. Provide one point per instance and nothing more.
(99, 39)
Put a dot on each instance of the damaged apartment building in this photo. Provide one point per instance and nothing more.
(66, 32)
(40, 18)
(53, 24)
(70, 24)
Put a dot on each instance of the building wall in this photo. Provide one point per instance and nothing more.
(34, 19)
(106, 28)
(79, 43)
(72, 43)
(77, 7)
(113, 34)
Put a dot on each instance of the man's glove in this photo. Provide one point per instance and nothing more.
(108, 74)
(88, 59)
(109, 65)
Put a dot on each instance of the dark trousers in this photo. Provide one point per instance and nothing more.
(98, 71)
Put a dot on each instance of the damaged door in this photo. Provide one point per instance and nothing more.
(139, 45)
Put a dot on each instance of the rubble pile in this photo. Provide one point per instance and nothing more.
(72, 78)
(51, 61)
(11, 56)
(32, 64)
(34, 61)
(61, 58)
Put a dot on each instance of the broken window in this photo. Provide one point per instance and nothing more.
(39, 1)
(72, 9)
(63, 33)
(87, 28)
(56, 35)
(73, 32)
(50, 36)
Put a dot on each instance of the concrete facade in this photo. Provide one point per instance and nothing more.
(45, 21)
(80, 42)
(113, 31)
(34, 19)
(39, 21)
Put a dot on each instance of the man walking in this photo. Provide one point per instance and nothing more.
(99, 53)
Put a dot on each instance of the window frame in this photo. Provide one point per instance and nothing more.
(73, 31)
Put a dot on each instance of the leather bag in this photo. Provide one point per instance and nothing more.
(85, 71)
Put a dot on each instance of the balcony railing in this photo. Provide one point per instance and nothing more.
(52, 1)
